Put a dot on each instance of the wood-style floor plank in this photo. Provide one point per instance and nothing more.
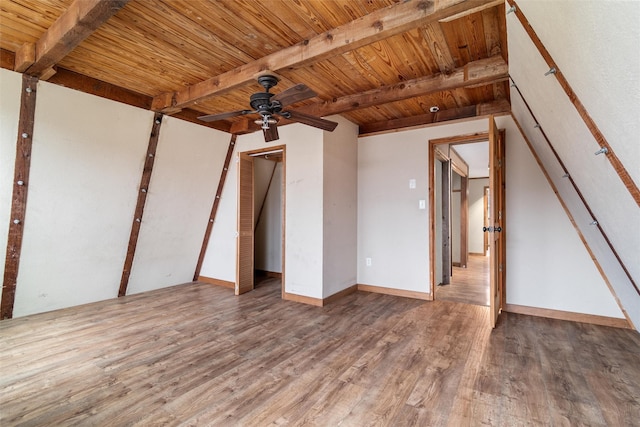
(196, 354)
(468, 285)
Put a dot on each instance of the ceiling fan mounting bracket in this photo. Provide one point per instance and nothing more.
(268, 81)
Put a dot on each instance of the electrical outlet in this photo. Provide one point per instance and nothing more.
(368, 262)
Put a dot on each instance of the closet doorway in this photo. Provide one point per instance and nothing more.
(261, 217)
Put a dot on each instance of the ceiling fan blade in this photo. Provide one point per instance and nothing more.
(314, 121)
(271, 134)
(298, 93)
(222, 116)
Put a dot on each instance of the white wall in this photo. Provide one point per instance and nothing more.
(262, 172)
(268, 236)
(86, 164)
(10, 88)
(340, 207)
(303, 213)
(186, 171)
(595, 177)
(392, 230)
(476, 214)
(547, 265)
(87, 160)
(595, 44)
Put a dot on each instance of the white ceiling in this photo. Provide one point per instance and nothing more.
(477, 157)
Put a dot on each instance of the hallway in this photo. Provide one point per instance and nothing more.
(468, 285)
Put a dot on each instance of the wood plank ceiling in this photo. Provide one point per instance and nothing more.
(381, 63)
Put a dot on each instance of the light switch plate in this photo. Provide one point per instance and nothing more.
(422, 204)
(412, 183)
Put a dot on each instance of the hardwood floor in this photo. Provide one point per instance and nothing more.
(468, 285)
(197, 355)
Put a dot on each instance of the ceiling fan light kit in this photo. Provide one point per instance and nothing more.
(268, 105)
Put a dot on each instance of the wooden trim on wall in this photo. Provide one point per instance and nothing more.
(24, 144)
(142, 198)
(318, 302)
(569, 316)
(573, 184)
(573, 222)
(340, 294)
(426, 296)
(214, 207)
(217, 282)
(580, 108)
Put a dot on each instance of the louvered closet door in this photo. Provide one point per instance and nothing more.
(244, 269)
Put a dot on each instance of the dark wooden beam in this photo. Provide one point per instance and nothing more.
(19, 198)
(381, 24)
(77, 23)
(423, 120)
(214, 208)
(582, 110)
(7, 59)
(143, 190)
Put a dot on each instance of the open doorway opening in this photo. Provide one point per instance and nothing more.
(261, 219)
(461, 265)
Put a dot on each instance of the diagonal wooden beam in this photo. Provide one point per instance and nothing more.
(381, 24)
(615, 161)
(77, 23)
(424, 120)
(19, 198)
(145, 180)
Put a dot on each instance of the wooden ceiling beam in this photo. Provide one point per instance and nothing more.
(379, 25)
(77, 23)
(427, 119)
(476, 73)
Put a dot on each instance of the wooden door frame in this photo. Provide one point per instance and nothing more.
(257, 153)
(464, 210)
(436, 154)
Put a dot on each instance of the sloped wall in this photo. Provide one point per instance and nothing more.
(87, 160)
(185, 177)
(595, 44)
(611, 203)
(10, 84)
(268, 236)
(86, 164)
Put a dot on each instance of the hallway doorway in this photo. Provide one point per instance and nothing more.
(461, 267)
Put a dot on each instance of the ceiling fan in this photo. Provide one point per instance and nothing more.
(269, 105)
